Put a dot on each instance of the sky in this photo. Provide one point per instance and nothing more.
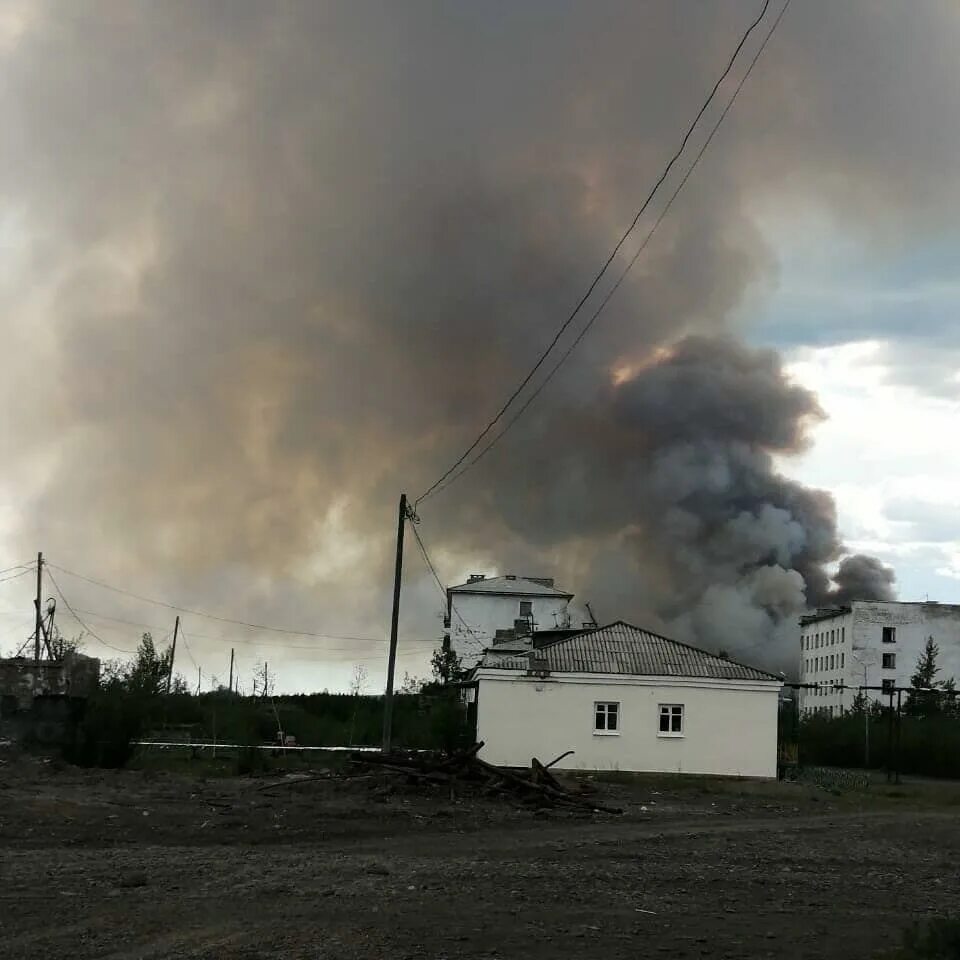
(264, 267)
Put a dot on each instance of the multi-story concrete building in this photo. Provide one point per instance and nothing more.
(872, 643)
(483, 607)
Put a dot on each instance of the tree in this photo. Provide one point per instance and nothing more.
(410, 684)
(860, 704)
(446, 666)
(358, 679)
(931, 695)
(61, 647)
(263, 683)
(147, 675)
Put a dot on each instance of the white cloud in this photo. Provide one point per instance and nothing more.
(886, 453)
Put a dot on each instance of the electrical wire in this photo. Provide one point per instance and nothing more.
(83, 625)
(233, 640)
(211, 616)
(183, 637)
(15, 576)
(30, 565)
(593, 284)
(609, 295)
(433, 570)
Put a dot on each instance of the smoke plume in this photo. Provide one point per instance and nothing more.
(267, 265)
(863, 578)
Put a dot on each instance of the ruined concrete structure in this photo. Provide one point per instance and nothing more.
(38, 698)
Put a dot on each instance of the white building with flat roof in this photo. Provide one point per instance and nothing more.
(873, 643)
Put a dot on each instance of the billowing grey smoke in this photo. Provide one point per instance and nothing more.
(678, 461)
(267, 265)
(861, 577)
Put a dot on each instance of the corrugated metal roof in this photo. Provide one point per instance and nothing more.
(620, 648)
(510, 585)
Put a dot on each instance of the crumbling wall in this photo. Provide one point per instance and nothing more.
(39, 700)
(21, 680)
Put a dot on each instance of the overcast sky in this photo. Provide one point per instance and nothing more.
(264, 266)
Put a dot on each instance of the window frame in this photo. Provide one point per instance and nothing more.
(891, 665)
(529, 605)
(605, 731)
(681, 712)
(890, 632)
(887, 686)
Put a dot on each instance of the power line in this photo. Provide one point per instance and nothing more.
(566, 323)
(212, 616)
(186, 646)
(18, 566)
(609, 295)
(83, 625)
(443, 590)
(232, 640)
(427, 561)
(22, 573)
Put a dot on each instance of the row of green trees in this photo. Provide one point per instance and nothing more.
(134, 703)
(924, 739)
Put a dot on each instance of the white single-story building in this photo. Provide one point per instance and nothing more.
(622, 698)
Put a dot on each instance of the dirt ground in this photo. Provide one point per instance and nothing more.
(153, 865)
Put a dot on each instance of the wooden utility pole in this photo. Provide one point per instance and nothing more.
(198, 681)
(173, 653)
(39, 622)
(230, 684)
(394, 620)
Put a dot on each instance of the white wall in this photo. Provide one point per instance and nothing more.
(485, 614)
(863, 646)
(835, 640)
(730, 728)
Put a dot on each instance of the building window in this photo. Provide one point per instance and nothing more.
(671, 719)
(888, 685)
(832, 664)
(606, 718)
(832, 635)
(889, 661)
(889, 634)
(841, 661)
(843, 634)
(526, 608)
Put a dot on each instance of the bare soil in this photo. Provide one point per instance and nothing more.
(151, 865)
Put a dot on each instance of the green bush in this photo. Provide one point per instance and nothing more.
(929, 746)
(106, 733)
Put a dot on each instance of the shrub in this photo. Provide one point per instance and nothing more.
(106, 734)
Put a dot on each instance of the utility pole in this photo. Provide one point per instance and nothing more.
(39, 621)
(402, 514)
(198, 681)
(890, 740)
(896, 766)
(866, 725)
(173, 653)
(230, 684)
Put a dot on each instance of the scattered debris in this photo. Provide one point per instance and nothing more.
(464, 771)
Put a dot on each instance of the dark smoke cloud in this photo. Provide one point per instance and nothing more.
(274, 262)
(861, 577)
(678, 460)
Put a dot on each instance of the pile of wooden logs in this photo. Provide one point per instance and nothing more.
(463, 772)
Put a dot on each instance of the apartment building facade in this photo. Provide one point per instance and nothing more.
(871, 643)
